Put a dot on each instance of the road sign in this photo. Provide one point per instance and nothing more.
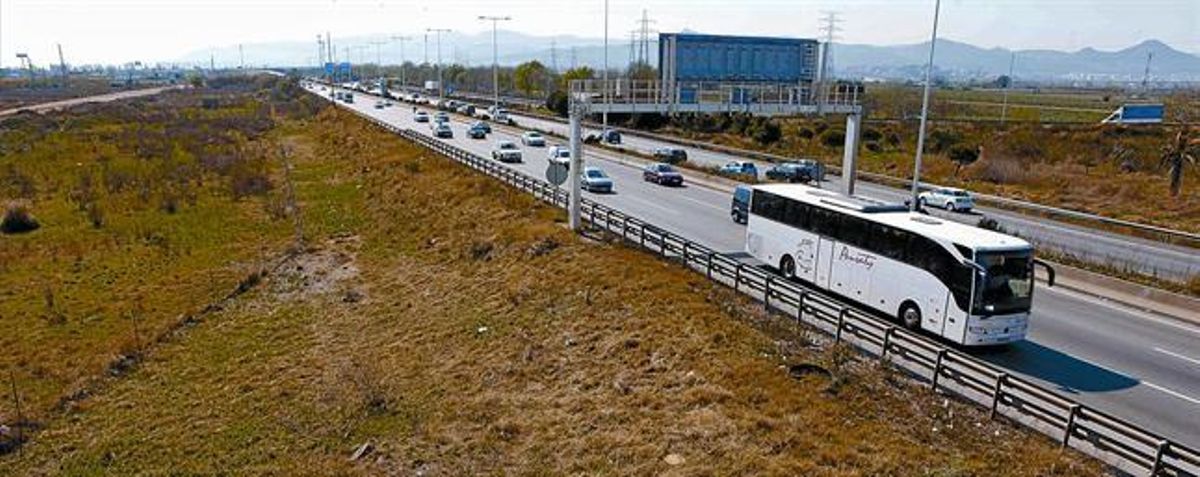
(556, 173)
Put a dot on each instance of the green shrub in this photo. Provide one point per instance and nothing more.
(833, 138)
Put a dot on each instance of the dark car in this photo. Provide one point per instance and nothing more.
(611, 136)
(670, 155)
(487, 127)
(803, 171)
(476, 132)
(739, 211)
(662, 174)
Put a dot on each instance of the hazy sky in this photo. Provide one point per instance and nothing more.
(115, 31)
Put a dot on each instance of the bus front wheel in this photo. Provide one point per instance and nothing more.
(787, 267)
(910, 316)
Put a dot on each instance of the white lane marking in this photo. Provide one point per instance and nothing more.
(1177, 355)
(1124, 309)
(1173, 393)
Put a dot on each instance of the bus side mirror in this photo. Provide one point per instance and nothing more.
(1049, 270)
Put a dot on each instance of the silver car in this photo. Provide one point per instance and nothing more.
(949, 198)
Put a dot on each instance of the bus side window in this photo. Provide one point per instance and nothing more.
(825, 222)
(797, 215)
(856, 232)
(889, 241)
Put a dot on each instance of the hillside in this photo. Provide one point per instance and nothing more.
(435, 322)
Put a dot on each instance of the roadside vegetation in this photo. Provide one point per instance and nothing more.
(438, 323)
(122, 220)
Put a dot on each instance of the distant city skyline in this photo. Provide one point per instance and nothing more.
(120, 31)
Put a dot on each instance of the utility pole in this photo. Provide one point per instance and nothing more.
(916, 181)
(379, 64)
(241, 58)
(554, 55)
(495, 58)
(573, 63)
(644, 32)
(1146, 75)
(830, 28)
(426, 62)
(604, 121)
(1012, 61)
(402, 39)
(441, 85)
(62, 65)
(320, 53)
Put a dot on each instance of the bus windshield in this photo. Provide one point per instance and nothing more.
(1006, 286)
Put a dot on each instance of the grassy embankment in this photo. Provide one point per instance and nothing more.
(459, 329)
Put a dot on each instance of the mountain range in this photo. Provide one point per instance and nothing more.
(955, 60)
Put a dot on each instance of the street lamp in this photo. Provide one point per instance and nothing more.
(402, 39)
(441, 85)
(916, 181)
(605, 74)
(495, 59)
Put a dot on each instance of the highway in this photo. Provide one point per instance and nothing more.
(1123, 252)
(1137, 366)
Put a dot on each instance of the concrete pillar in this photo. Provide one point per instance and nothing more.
(576, 169)
(850, 154)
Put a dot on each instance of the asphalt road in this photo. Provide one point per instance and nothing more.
(1134, 365)
(1120, 251)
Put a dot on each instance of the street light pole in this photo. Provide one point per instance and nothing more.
(916, 181)
(441, 85)
(495, 59)
(401, 39)
(605, 74)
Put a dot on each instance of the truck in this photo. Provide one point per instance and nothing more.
(431, 86)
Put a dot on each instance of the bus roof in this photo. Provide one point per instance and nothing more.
(898, 215)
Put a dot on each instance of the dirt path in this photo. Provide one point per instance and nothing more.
(103, 98)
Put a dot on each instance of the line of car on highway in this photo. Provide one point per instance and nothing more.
(661, 172)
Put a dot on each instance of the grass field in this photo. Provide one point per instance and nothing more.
(438, 323)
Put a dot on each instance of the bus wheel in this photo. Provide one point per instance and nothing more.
(787, 267)
(910, 316)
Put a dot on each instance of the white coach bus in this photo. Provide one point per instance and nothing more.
(966, 284)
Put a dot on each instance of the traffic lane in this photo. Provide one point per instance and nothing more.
(694, 207)
(1113, 361)
(1042, 358)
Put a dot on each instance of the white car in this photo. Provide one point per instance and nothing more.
(595, 180)
(949, 198)
(506, 151)
(533, 139)
(421, 117)
(559, 154)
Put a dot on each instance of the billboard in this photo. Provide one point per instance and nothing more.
(696, 57)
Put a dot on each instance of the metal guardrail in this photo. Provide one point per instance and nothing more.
(1089, 430)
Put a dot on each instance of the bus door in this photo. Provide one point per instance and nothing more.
(933, 310)
(824, 262)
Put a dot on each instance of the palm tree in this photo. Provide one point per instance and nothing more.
(1178, 154)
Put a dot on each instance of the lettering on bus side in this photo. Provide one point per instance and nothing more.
(805, 251)
(859, 258)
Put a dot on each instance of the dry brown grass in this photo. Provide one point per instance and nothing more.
(458, 328)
